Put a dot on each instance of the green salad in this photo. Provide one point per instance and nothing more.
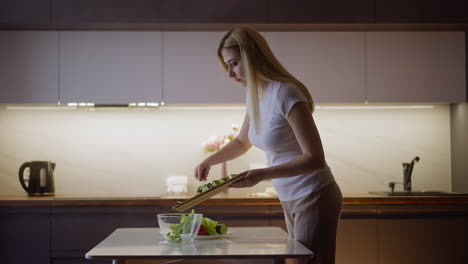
(211, 228)
(182, 228)
(208, 227)
(208, 186)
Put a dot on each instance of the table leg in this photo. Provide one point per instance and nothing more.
(118, 261)
(294, 261)
(279, 261)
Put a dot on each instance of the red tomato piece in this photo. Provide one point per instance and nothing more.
(202, 231)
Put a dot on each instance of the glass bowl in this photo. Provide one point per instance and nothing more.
(179, 227)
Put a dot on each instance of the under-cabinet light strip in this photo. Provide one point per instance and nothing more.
(73, 106)
(377, 107)
(202, 108)
(41, 107)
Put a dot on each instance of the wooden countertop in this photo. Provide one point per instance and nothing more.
(220, 199)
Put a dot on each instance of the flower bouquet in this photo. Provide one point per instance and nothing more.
(215, 143)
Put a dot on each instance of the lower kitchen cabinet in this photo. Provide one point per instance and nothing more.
(356, 241)
(76, 230)
(383, 234)
(423, 240)
(24, 235)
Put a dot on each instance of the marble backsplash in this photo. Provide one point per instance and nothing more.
(130, 152)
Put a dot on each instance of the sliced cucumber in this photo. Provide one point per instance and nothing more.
(208, 186)
(221, 229)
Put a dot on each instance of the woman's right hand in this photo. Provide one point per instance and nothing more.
(201, 171)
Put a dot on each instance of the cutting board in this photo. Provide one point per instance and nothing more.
(200, 198)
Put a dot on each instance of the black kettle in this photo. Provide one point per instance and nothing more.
(40, 181)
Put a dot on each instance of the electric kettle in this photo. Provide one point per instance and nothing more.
(40, 179)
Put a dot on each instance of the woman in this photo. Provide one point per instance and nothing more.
(279, 121)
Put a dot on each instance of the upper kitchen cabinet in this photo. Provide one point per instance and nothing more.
(28, 67)
(24, 12)
(333, 11)
(158, 11)
(421, 11)
(110, 67)
(415, 67)
(192, 73)
(330, 64)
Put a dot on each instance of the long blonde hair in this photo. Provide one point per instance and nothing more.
(259, 65)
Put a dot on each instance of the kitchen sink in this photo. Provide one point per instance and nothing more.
(419, 193)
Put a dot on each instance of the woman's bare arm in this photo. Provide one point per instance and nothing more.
(238, 146)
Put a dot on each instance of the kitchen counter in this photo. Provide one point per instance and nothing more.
(371, 226)
(220, 199)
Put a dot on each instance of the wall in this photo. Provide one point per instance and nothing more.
(125, 152)
(459, 136)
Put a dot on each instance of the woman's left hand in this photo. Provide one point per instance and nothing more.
(251, 178)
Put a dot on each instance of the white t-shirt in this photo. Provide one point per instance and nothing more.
(277, 139)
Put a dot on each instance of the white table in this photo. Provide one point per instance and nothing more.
(242, 242)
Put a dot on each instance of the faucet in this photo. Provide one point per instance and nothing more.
(407, 171)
